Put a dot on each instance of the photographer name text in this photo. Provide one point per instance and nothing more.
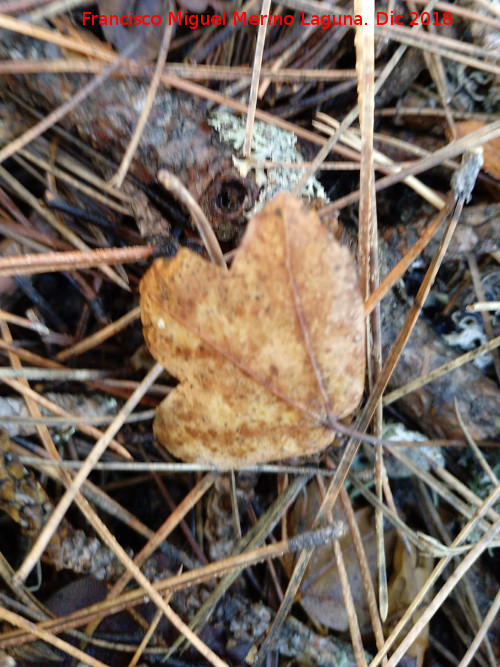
(326, 21)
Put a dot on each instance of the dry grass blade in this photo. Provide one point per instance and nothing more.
(481, 633)
(424, 542)
(424, 289)
(485, 316)
(229, 566)
(365, 50)
(361, 556)
(349, 603)
(477, 452)
(38, 32)
(184, 70)
(54, 117)
(30, 394)
(157, 539)
(446, 589)
(351, 116)
(24, 322)
(329, 125)
(252, 540)
(338, 480)
(485, 305)
(147, 636)
(96, 495)
(105, 534)
(107, 198)
(448, 48)
(65, 232)
(461, 537)
(395, 274)
(368, 261)
(76, 374)
(473, 140)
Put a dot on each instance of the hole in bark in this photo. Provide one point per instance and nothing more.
(231, 196)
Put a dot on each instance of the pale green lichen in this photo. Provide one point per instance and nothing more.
(268, 143)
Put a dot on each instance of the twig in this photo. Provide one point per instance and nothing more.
(178, 189)
(100, 336)
(483, 305)
(254, 88)
(472, 444)
(15, 265)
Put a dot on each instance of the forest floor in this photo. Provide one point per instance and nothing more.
(293, 460)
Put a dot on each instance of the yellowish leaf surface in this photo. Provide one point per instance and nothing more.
(268, 354)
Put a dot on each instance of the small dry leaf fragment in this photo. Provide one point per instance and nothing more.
(410, 574)
(320, 592)
(491, 150)
(268, 354)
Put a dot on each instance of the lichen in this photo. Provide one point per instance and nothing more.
(268, 143)
(421, 455)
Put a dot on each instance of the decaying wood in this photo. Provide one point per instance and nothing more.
(176, 137)
(478, 232)
(246, 622)
(23, 498)
(431, 406)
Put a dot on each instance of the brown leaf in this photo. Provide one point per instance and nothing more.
(268, 354)
(320, 592)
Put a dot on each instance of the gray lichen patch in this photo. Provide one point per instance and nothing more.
(422, 455)
(269, 143)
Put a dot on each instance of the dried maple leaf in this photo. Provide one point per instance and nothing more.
(268, 354)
